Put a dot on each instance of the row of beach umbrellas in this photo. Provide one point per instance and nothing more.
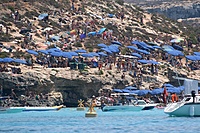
(157, 91)
(142, 48)
(9, 60)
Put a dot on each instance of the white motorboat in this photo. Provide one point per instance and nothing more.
(121, 107)
(190, 105)
(136, 106)
(54, 108)
(146, 106)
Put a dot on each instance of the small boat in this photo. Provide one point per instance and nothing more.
(54, 108)
(146, 106)
(136, 106)
(120, 107)
(190, 105)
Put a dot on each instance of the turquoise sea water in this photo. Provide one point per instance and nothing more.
(68, 120)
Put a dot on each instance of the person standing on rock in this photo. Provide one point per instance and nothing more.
(1, 91)
(165, 95)
(13, 95)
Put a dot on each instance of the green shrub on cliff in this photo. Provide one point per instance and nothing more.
(5, 37)
(120, 2)
(4, 54)
(100, 72)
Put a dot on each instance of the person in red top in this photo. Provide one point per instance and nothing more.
(174, 98)
(165, 95)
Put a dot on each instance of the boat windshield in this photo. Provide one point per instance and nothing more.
(141, 103)
(187, 99)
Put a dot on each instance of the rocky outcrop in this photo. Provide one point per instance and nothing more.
(63, 86)
(72, 86)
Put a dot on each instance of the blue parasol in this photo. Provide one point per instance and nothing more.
(132, 47)
(107, 50)
(73, 53)
(102, 54)
(130, 88)
(113, 48)
(193, 57)
(102, 45)
(53, 50)
(7, 60)
(137, 55)
(157, 91)
(20, 61)
(43, 51)
(116, 42)
(94, 54)
(81, 51)
(157, 47)
(82, 36)
(197, 53)
(175, 53)
(66, 55)
(117, 90)
(55, 38)
(177, 47)
(56, 54)
(87, 55)
(143, 92)
(32, 52)
(111, 15)
(92, 33)
(101, 30)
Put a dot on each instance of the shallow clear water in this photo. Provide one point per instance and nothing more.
(68, 120)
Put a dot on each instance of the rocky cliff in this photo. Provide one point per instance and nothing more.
(72, 84)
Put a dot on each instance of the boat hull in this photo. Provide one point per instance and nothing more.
(122, 108)
(148, 107)
(192, 109)
(55, 108)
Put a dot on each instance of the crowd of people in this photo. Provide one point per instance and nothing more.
(78, 28)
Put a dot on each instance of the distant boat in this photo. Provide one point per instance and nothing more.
(137, 106)
(54, 108)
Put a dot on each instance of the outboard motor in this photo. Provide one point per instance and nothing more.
(193, 95)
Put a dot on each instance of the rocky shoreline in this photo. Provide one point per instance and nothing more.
(68, 86)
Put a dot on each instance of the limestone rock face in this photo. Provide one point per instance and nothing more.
(66, 87)
(70, 86)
